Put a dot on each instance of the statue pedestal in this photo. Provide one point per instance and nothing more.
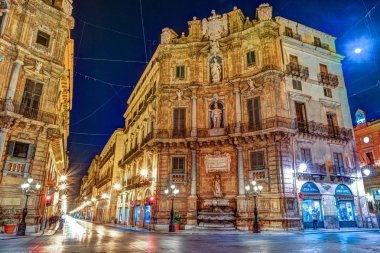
(216, 131)
(191, 212)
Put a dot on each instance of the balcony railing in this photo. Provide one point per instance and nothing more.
(16, 168)
(324, 131)
(318, 169)
(27, 112)
(337, 170)
(259, 174)
(294, 69)
(328, 79)
(176, 178)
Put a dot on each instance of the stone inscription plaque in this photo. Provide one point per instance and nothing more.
(218, 163)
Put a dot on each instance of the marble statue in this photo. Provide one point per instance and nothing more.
(216, 71)
(217, 187)
(216, 116)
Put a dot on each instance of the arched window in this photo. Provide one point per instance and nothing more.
(4, 9)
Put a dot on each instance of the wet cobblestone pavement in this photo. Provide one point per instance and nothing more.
(88, 237)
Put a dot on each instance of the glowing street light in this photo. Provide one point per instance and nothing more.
(366, 172)
(171, 194)
(63, 178)
(62, 186)
(255, 191)
(144, 172)
(303, 167)
(117, 186)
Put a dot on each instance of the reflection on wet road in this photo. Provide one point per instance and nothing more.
(81, 236)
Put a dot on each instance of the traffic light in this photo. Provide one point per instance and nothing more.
(150, 200)
(49, 199)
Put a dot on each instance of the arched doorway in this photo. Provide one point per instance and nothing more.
(345, 205)
(311, 204)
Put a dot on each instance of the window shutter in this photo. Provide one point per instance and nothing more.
(250, 114)
(256, 105)
(31, 151)
(182, 121)
(10, 148)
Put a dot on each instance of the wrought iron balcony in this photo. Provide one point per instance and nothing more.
(30, 113)
(297, 70)
(259, 174)
(176, 178)
(313, 172)
(172, 133)
(327, 79)
(16, 168)
(342, 174)
(324, 131)
(265, 124)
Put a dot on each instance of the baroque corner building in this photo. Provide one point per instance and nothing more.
(36, 83)
(238, 99)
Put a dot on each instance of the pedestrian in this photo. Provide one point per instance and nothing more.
(315, 220)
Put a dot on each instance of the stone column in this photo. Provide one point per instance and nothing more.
(238, 110)
(12, 85)
(240, 171)
(193, 190)
(194, 116)
(192, 199)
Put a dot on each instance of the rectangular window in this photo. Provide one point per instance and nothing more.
(178, 165)
(180, 72)
(306, 156)
(43, 38)
(1, 20)
(31, 99)
(251, 58)
(293, 59)
(327, 92)
(323, 68)
(254, 114)
(301, 116)
(20, 150)
(257, 160)
(179, 122)
(297, 85)
(370, 159)
(338, 160)
(317, 42)
(332, 124)
(288, 32)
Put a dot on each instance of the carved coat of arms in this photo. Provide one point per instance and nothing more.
(215, 27)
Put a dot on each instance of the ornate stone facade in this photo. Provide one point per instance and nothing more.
(238, 99)
(36, 81)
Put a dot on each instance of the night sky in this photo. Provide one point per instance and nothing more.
(111, 30)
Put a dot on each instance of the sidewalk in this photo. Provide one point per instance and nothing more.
(331, 231)
(47, 232)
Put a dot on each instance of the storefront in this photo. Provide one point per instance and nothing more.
(137, 215)
(120, 215)
(126, 216)
(345, 206)
(147, 215)
(311, 203)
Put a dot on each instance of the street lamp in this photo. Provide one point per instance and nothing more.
(171, 194)
(366, 171)
(28, 191)
(254, 191)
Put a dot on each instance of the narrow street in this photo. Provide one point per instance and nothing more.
(80, 236)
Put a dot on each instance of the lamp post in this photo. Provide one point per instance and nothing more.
(171, 194)
(28, 191)
(254, 191)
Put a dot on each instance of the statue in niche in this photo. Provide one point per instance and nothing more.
(216, 116)
(216, 71)
(217, 190)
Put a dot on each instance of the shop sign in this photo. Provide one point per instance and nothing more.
(309, 188)
(300, 195)
(377, 197)
(343, 190)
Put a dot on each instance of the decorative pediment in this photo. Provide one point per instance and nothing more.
(329, 103)
(179, 99)
(254, 86)
(299, 97)
(215, 27)
(37, 72)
